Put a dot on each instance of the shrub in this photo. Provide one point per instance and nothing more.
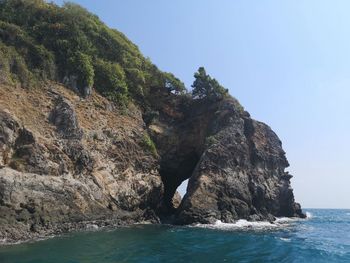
(37, 59)
(110, 81)
(136, 81)
(173, 84)
(210, 140)
(149, 145)
(81, 65)
(13, 67)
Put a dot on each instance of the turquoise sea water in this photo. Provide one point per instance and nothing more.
(324, 237)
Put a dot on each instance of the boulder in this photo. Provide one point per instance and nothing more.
(63, 116)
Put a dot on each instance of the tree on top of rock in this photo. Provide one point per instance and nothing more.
(206, 87)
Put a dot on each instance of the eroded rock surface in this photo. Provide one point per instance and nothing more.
(235, 165)
(66, 161)
(61, 165)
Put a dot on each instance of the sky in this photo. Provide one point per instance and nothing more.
(287, 62)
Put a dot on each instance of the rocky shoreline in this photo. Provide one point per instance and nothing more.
(16, 237)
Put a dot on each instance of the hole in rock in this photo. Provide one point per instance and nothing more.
(179, 194)
(175, 172)
(182, 188)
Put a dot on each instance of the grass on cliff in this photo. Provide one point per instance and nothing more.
(149, 145)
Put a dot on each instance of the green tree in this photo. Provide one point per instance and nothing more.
(206, 87)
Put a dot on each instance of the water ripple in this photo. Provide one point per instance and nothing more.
(322, 238)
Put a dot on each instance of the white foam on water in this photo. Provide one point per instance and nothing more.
(246, 224)
(285, 220)
(143, 223)
(309, 215)
(285, 239)
(5, 242)
(255, 225)
(92, 226)
(240, 224)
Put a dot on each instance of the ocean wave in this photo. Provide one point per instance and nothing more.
(6, 242)
(240, 224)
(309, 215)
(286, 220)
(244, 224)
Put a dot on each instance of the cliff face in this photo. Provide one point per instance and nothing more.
(65, 161)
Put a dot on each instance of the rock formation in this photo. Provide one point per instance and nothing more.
(66, 161)
(91, 130)
(235, 166)
(240, 174)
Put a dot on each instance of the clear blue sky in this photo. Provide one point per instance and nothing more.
(288, 62)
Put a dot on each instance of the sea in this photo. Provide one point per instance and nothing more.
(323, 237)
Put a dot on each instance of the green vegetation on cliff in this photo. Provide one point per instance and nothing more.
(42, 42)
(206, 87)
